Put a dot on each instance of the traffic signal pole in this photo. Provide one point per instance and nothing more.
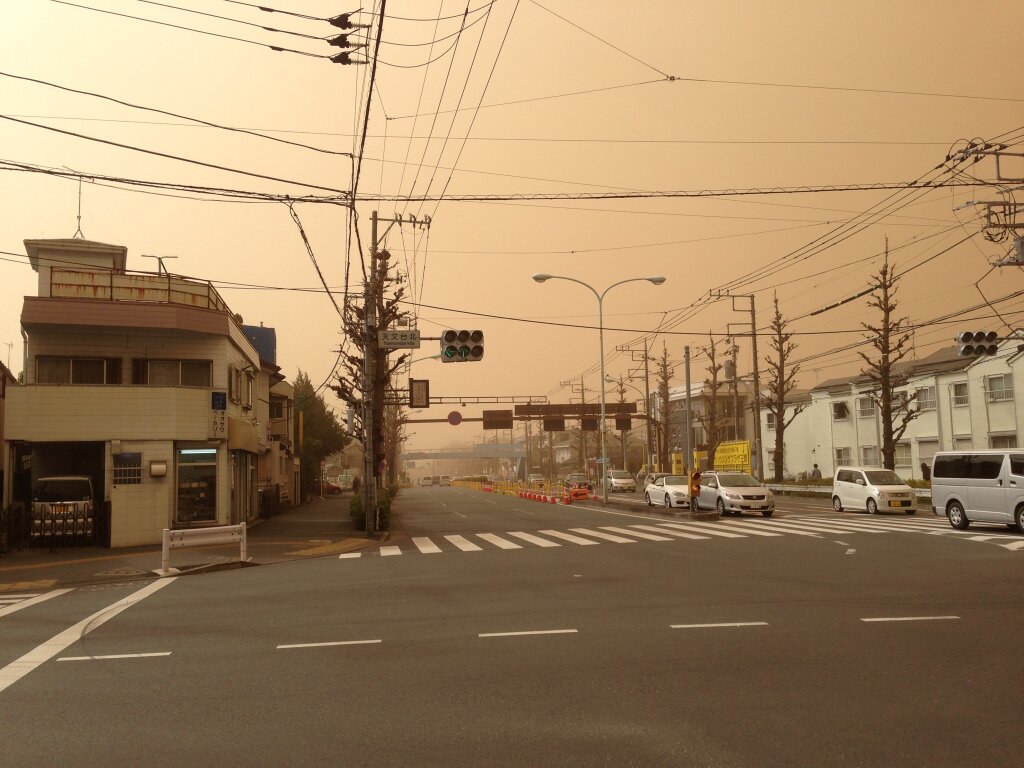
(369, 359)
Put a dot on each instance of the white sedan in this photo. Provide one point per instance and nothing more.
(668, 491)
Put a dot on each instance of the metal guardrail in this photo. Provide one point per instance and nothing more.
(826, 490)
(200, 537)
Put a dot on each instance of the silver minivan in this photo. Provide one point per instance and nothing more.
(984, 486)
(871, 489)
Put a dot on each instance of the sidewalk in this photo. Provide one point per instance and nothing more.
(318, 529)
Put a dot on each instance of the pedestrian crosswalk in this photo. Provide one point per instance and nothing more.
(810, 526)
(11, 602)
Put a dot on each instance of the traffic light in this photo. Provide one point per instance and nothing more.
(694, 484)
(462, 346)
(977, 343)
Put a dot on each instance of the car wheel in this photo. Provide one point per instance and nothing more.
(872, 507)
(837, 505)
(957, 516)
(668, 502)
(721, 508)
(767, 513)
(1018, 518)
(647, 500)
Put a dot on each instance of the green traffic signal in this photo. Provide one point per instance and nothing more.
(461, 346)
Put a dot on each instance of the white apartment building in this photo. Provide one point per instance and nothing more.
(964, 403)
(143, 381)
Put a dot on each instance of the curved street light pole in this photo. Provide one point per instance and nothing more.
(656, 280)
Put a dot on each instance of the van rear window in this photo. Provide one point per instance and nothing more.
(1017, 464)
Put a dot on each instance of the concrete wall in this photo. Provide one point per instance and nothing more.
(139, 513)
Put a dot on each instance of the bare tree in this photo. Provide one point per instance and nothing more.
(709, 417)
(781, 381)
(663, 375)
(891, 340)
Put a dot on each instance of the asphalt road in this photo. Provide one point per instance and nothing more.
(833, 640)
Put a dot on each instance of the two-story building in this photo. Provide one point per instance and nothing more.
(143, 381)
(963, 402)
(7, 379)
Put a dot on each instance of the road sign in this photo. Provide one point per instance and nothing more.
(498, 419)
(406, 339)
(419, 393)
(454, 418)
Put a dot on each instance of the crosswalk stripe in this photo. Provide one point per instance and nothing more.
(463, 543)
(603, 535)
(499, 542)
(629, 532)
(425, 545)
(569, 537)
(872, 524)
(680, 534)
(533, 539)
(389, 551)
(854, 527)
(712, 528)
(1014, 545)
(349, 555)
(754, 529)
(785, 527)
(815, 527)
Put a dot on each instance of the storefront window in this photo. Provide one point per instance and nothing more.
(197, 486)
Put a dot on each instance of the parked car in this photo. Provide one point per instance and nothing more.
(733, 493)
(650, 477)
(668, 491)
(535, 478)
(871, 489)
(979, 486)
(619, 480)
(578, 480)
(331, 489)
(445, 480)
(63, 507)
(426, 481)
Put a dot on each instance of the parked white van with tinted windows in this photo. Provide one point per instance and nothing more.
(979, 487)
(871, 489)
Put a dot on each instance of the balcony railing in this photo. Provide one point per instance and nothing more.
(106, 285)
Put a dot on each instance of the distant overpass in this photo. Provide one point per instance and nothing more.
(483, 451)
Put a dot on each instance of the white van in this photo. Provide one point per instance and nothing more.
(979, 487)
(871, 489)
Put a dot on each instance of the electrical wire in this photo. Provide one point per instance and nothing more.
(200, 121)
(168, 156)
(231, 19)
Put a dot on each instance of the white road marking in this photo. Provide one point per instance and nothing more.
(348, 555)
(115, 656)
(460, 514)
(638, 534)
(533, 539)
(325, 645)
(649, 517)
(569, 537)
(712, 528)
(754, 529)
(914, 618)
(390, 551)
(725, 624)
(842, 543)
(463, 543)
(498, 541)
(1014, 545)
(16, 670)
(425, 545)
(533, 632)
(603, 535)
(30, 600)
(679, 534)
(850, 551)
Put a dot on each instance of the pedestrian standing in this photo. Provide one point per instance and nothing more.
(926, 472)
(816, 473)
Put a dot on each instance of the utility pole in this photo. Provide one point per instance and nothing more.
(369, 359)
(755, 452)
(582, 391)
(647, 395)
(735, 391)
(687, 423)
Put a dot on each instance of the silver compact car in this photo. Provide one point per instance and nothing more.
(620, 480)
(734, 493)
(668, 491)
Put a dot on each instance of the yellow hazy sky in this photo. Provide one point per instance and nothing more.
(559, 96)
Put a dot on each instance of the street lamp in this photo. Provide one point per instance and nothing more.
(541, 277)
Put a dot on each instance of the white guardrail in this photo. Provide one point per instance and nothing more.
(201, 537)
